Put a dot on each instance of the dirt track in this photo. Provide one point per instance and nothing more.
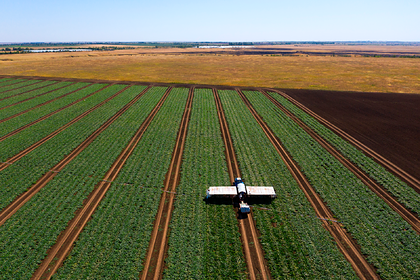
(19, 87)
(406, 214)
(344, 241)
(4, 98)
(63, 246)
(15, 84)
(47, 102)
(153, 264)
(387, 123)
(51, 135)
(7, 212)
(257, 269)
(52, 113)
(378, 120)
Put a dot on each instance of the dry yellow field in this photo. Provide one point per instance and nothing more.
(355, 73)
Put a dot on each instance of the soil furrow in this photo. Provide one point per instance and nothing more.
(153, 265)
(26, 91)
(57, 111)
(21, 86)
(63, 246)
(30, 98)
(47, 102)
(18, 82)
(21, 200)
(345, 242)
(257, 268)
(411, 180)
(406, 214)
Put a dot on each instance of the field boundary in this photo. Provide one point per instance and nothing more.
(411, 180)
(343, 239)
(380, 191)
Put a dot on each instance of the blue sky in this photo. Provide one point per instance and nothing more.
(217, 20)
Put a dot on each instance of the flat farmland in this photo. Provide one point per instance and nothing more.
(387, 123)
(108, 179)
(297, 67)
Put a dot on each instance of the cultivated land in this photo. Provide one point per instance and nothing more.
(329, 67)
(107, 180)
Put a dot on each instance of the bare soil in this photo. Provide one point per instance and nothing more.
(388, 123)
(344, 240)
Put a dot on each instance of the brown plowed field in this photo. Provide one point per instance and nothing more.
(388, 123)
(406, 214)
(257, 269)
(344, 240)
(62, 248)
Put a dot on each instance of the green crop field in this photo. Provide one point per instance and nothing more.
(60, 140)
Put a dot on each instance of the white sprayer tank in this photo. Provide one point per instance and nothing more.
(241, 187)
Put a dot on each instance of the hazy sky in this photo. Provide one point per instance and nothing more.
(217, 20)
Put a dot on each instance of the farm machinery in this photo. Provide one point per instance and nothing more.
(241, 193)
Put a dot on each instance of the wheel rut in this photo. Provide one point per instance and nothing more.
(406, 214)
(26, 151)
(8, 211)
(4, 98)
(21, 86)
(57, 111)
(411, 180)
(153, 264)
(16, 83)
(257, 269)
(344, 241)
(47, 102)
(33, 97)
(57, 253)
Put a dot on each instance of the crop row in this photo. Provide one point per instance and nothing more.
(204, 242)
(22, 174)
(33, 115)
(404, 194)
(12, 85)
(22, 93)
(7, 112)
(6, 81)
(388, 241)
(18, 142)
(114, 242)
(32, 94)
(31, 231)
(295, 244)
